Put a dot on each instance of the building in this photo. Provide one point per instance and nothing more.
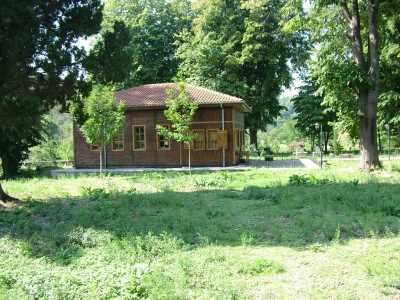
(219, 124)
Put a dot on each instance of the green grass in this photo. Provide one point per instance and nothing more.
(255, 234)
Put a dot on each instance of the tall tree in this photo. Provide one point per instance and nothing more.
(110, 60)
(40, 64)
(153, 27)
(389, 99)
(243, 48)
(349, 64)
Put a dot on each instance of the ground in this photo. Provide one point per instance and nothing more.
(254, 234)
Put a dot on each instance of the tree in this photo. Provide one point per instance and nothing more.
(389, 98)
(104, 118)
(243, 48)
(110, 60)
(349, 64)
(180, 112)
(153, 27)
(310, 111)
(40, 64)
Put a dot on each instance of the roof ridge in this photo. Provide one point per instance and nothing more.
(154, 94)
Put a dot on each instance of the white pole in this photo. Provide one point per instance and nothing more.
(190, 170)
(223, 128)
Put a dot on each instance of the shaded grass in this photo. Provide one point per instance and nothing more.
(212, 235)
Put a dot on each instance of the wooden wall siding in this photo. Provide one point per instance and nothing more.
(205, 118)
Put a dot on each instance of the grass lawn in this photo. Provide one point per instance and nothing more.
(256, 234)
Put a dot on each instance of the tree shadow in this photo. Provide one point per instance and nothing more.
(295, 216)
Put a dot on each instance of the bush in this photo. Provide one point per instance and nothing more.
(219, 179)
(95, 193)
(308, 179)
(262, 266)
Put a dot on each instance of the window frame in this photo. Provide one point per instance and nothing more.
(144, 137)
(158, 140)
(204, 140)
(122, 141)
(208, 133)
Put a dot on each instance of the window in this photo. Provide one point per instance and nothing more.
(163, 143)
(118, 142)
(139, 138)
(199, 143)
(212, 139)
(94, 148)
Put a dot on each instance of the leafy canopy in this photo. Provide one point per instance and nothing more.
(312, 113)
(41, 66)
(244, 48)
(180, 112)
(105, 118)
(153, 27)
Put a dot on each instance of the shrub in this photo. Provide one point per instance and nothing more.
(308, 179)
(262, 266)
(95, 193)
(219, 180)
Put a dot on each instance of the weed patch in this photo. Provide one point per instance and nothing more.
(262, 266)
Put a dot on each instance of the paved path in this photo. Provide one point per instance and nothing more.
(277, 164)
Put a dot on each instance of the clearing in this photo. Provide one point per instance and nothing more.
(254, 234)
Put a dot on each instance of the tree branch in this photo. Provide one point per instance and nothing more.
(346, 10)
(356, 33)
(373, 41)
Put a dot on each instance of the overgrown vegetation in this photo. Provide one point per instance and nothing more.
(230, 235)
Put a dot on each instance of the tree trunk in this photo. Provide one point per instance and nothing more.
(368, 97)
(253, 137)
(4, 197)
(368, 131)
(10, 166)
(379, 140)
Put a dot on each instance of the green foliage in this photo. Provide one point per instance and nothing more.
(41, 66)
(262, 266)
(243, 49)
(105, 118)
(280, 137)
(57, 143)
(311, 112)
(148, 55)
(195, 242)
(339, 78)
(110, 60)
(180, 112)
(215, 180)
(308, 179)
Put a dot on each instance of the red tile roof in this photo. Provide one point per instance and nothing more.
(154, 95)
